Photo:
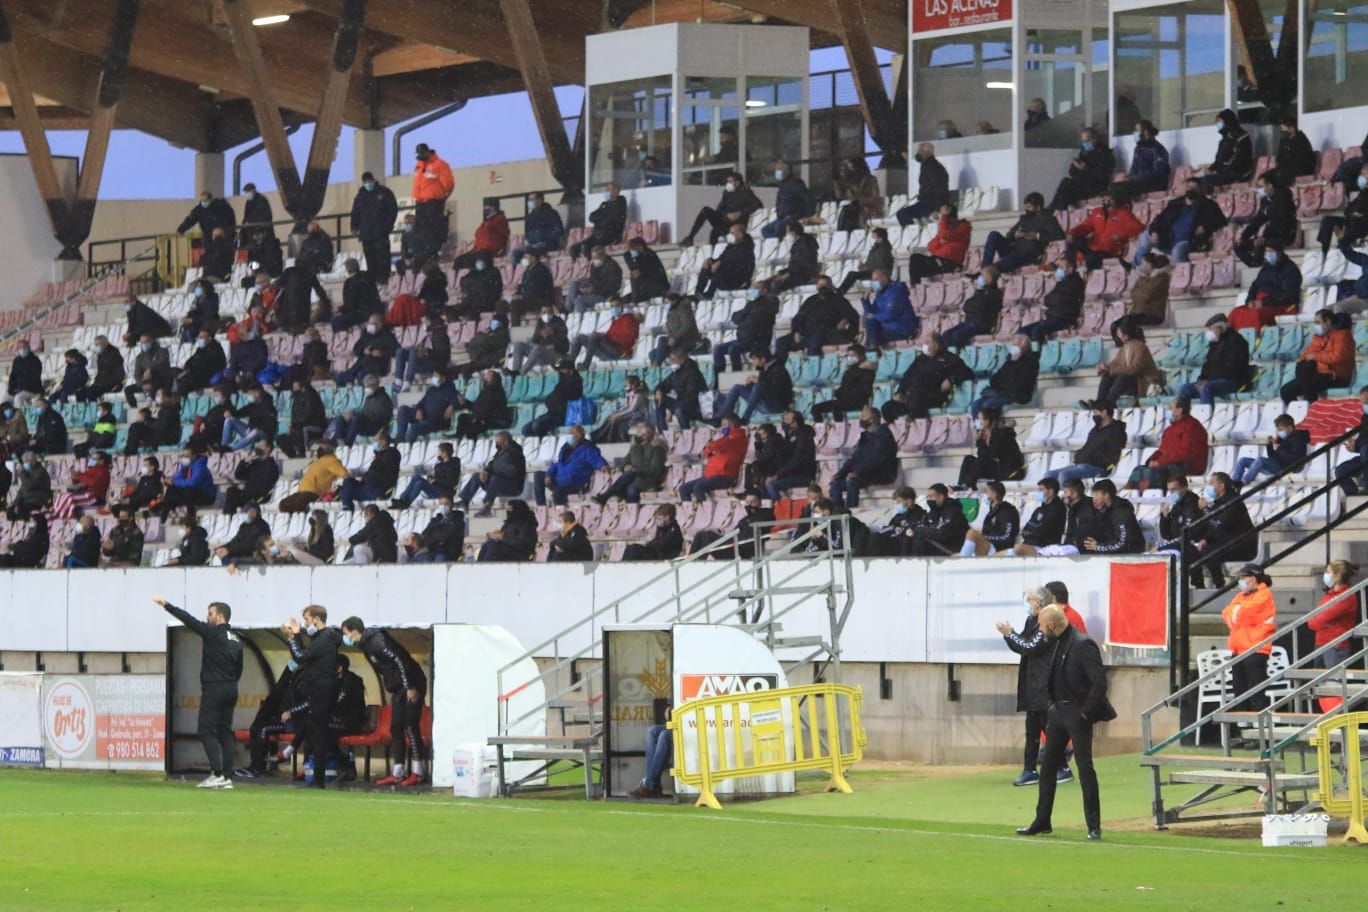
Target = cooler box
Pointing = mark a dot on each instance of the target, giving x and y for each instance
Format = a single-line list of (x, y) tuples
[(1299, 830), (475, 770)]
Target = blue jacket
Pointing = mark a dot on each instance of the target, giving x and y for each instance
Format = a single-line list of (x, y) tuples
[(543, 228), (1149, 162), (576, 465), (436, 401), (73, 378), (197, 476), (892, 307)]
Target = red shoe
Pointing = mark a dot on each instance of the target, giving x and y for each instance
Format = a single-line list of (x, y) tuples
[(412, 780), (388, 780)]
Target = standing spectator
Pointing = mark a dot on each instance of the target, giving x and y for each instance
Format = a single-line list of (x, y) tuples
[(732, 269), (1014, 383), (1251, 617), (1106, 233), (859, 190), (1325, 363), (298, 285), (643, 470), (678, 393), (997, 455), (217, 256), (724, 456), (928, 382), (946, 251), (1226, 368), (856, 387), (615, 343), (1286, 448), (889, 317), (1337, 614), (604, 282), (516, 539), (432, 184), (124, 545), (770, 386), (734, 210), (503, 476), (257, 479), (824, 318), (1275, 291), (1131, 370), (1234, 160), (879, 257), (257, 216), (549, 343), (1101, 450), (192, 485), (1001, 526), (681, 329), (1295, 157), (647, 274), (572, 472), (1089, 174), (569, 387), (1274, 224), (572, 544), (316, 251), (1184, 449), (874, 461), (1025, 242), (933, 186), (373, 213), (982, 311), (608, 221), (109, 371), (488, 411), (26, 375), (792, 203), (666, 543), (1063, 304), (543, 228), (1224, 528), (212, 212), (1187, 224)]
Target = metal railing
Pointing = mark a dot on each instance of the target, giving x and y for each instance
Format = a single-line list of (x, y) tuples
[(146, 255)]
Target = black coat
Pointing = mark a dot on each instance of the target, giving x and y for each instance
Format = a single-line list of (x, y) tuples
[(383, 473), (109, 368), (1033, 674), (1182, 515), (1281, 284), (875, 457), (820, 313), (1046, 525), (1277, 216), (604, 278), (804, 261), (491, 406), (1227, 359), (776, 386), (572, 546), (984, 307), (373, 213), (609, 221), (1099, 163), (568, 388), (1079, 520), (1230, 524), (651, 279), (509, 464), (26, 375), (1064, 302), (380, 534), (754, 322), (480, 290), (1003, 451), (256, 211), (742, 200), (801, 460), (144, 321), (933, 183), (445, 535), (203, 365), (194, 548), (855, 388), (1235, 153), (1077, 676), (1016, 379), (1209, 216), (360, 297), (1103, 446), (85, 547), (734, 268), (792, 201), (307, 409), (258, 477), (1002, 525), (218, 214), (686, 383), (1116, 529), (244, 541), (666, 544), (519, 537), (944, 528), (317, 661)]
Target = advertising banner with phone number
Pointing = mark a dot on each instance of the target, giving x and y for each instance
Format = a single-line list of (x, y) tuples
[(105, 721)]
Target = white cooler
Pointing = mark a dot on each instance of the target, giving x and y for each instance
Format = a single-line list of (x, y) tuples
[(1299, 830), (475, 770)]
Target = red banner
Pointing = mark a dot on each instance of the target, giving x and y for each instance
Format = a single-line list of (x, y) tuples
[(1138, 611), (936, 15)]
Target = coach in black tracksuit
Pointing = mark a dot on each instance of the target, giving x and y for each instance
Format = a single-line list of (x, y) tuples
[(220, 669), (402, 677), (317, 668)]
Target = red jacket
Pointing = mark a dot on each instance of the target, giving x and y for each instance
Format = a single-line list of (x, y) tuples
[(1075, 619), (622, 332), (951, 243), (95, 480), (1108, 232), (1333, 354), (1183, 443), (492, 235), (1332, 622), (725, 455)]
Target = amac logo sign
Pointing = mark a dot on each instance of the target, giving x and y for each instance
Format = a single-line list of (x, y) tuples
[(69, 719), (702, 686)]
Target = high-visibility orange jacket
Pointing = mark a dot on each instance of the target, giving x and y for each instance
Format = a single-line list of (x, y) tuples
[(1251, 616), (432, 180)]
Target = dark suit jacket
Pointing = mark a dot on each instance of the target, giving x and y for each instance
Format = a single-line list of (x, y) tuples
[(1077, 676)]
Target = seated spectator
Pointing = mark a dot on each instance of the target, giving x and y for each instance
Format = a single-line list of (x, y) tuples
[(192, 485), (1225, 529), (1352, 225), (543, 228), (432, 295), (874, 461), (1014, 383), (308, 418), (49, 431), (85, 546), (824, 318), (942, 530), (1180, 511), (35, 487), (1131, 370), (1275, 291), (369, 420), (681, 330), (643, 469), (666, 543), (855, 389), (1352, 296), (491, 237), (742, 542), (123, 546), (732, 270), (1274, 224), (549, 343), (799, 466), (109, 371), (444, 536), (846, 533), (1326, 362), (193, 548), (997, 455), (102, 432), (90, 478), (1149, 301), (946, 251), (1045, 527), (487, 349), (26, 376), (373, 351), (889, 317), (982, 311), (416, 550), (894, 538), (572, 472), (928, 382), (1089, 174), (572, 544), (733, 211), (516, 539), (1149, 168), (535, 288), (31, 551), (317, 248), (1226, 368), (770, 388), (608, 221), (377, 542), (724, 456), (1184, 449), (143, 321), (1350, 474), (1106, 233), (633, 409), (804, 260), (433, 413), (74, 377), (879, 257), (1295, 158), (646, 274), (678, 393), (754, 324), (257, 477), (1115, 529), (151, 371), (381, 477), (256, 420), (615, 343), (481, 288), (1101, 451), (1187, 224), (489, 410), (204, 310), (1234, 162), (1001, 526), (203, 365), (769, 451), (360, 298), (503, 476), (247, 353), (1025, 243), (933, 186), (1286, 448), (443, 481), (569, 387), (320, 544), (858, 189), (792, 203), (147, 489), (14, 428)]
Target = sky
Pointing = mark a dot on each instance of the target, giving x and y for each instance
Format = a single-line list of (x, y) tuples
[(499, 128)]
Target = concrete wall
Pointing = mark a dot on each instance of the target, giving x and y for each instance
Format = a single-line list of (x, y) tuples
[(27, 247)]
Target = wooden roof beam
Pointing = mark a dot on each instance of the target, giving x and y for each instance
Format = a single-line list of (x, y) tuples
[(541, 93)]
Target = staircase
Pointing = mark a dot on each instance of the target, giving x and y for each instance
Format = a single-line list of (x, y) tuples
[(36, 319), (751, 582), (1264, 751)]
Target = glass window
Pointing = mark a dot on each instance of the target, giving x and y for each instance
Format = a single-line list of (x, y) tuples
[(1170, 65), (1336, 55), (629, 133), (963, 86), (774, 125), (709, 117), (1059, 92)]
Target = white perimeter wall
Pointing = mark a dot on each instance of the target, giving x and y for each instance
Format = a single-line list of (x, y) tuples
[(27, 247)]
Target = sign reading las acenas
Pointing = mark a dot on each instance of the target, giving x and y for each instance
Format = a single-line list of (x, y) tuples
[(935, 15)]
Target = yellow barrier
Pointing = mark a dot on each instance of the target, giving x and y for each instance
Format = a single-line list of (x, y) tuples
[(1352, 803), (173, 258), (775, 742)]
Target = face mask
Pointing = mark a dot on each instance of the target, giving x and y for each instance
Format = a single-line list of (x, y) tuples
[(1362, 182), (310, 629), (1211, 336), (608, 197), (479, 265), (200, 343), (274, 551), (595, 264), (852, 359), (493, 324), (731, 239), (369, 185), (900, 509), (375, 447), (148, 470), (978, 424), (434, 381), (199, 291), (1319, 329), (1060, 274), (1365, 408), (1039, 496), (204, 204), (942, 134), (1263, 194), (1136, 136), (878, 285), (1245, 585), (252, 195), (926, 349), (348, 641), (752, 294), (1014, 351), (980, 282), (731, 188), (1192, 196), (1209, 492), (185, 461), (1271, 257), (1172, 498), (144, 346), (31, 526), (24, 352), (1087, 145), (1328, 580), (99, 349)]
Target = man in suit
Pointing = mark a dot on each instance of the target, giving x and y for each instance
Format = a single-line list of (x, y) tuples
[(1078, 701)]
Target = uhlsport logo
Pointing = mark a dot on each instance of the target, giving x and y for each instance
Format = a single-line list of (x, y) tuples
[(69, 719), (702, 686)]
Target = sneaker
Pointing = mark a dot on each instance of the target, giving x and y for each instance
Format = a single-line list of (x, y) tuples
[(224, 783), (411, 780), (210, 781), (1064, 775), (247, 772), (1027, 777), (388, 780), (642, 791)]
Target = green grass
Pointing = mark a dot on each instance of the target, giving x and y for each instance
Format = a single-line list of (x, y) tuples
[(933, 840)]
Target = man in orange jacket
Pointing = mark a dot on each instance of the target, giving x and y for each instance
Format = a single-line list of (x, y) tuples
[(1326, 363), (1250, 617), (432, 184), (1184, 449), (1107, 232), (724, 454)]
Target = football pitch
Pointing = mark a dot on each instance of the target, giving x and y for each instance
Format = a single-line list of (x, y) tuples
[(909, 838)]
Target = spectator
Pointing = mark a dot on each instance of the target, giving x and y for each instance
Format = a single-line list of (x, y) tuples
[(1025, 242), (895, 537), (572, 472), (204, 364), (102, 432), (432, 184), (89, 481), (666, 543), (26, 375), (377, 542), (1352, 296), (678, 393), (443, 481), (217, 256), (859, 190), (192, 485), (1187, 224), (604, 282), (373, 213), (543, 228), (572, 544), (257, 420), (1015, 381), (946, 129), (1089, 174), (360, 297), (1063, 304), (74, 377), (855, 389), (491, 237), (109, 371), (879, 257), (416, 550), (429, 358), (488, 411), (997, 455), (535, 288), (1224, 530), (928, 382), (645, 271), (264, 253), (946, 251), (374, 415), (843, 534), (212, 212), (732, 212), (316, 250), (433, 413), (143, 321), (633, 409), (1226, 368), (1131, 370), (741, 543), (889, 317), (308, 418), (724, 455), (1286, 448), (503, 476), (193, 548), (1275, 291), (569, 387), (824, 318), (124, 545), (516, 540), (1352, 226), (444, 536), (487, 349), (1350, 474), (799, 467), (31, 551), (1115, 529), (318, 479), (147, 488), (933, 186), (257, 477), (1149, 169), (35, 487), (615, 343), (549, 343), (1184, 449), (1234, 160), (754, 324), (247, 352), (1001, 526), (643, 469), (804, 260), (792, 204), (732, 269), (381, 477), (1251, 617), (1046, 525), (1101, 450), (85, 546), (481, 288), (1337, 615), (943, 529), (50, 430), (769, 451), (982, 311), (297, 287), (681, 330), (609, 221), (373, 351), (874, 461), (1149, 301), (14, 427), (1326, 362), (769, 387), (1180, 511), (1106, 233), (1274, 224), (1295, 158), (321, 544)]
